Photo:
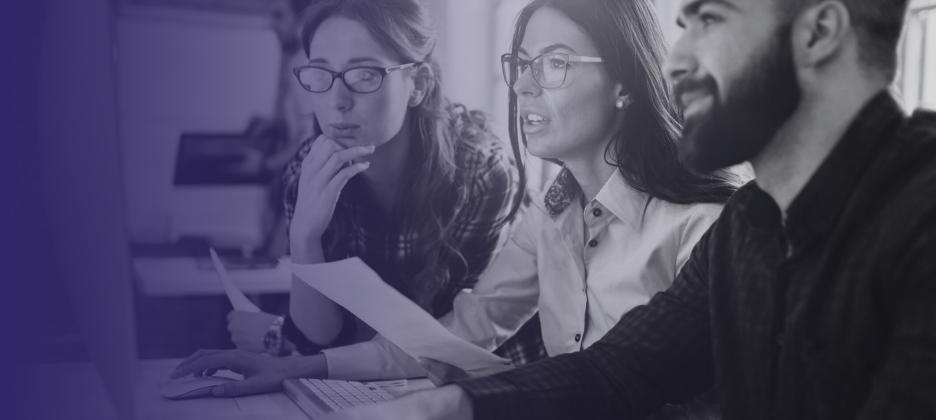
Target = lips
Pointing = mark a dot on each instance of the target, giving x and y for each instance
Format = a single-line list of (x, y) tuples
[(344, 126), (533, 121), (343, 129), (693, 94), (695, 102)]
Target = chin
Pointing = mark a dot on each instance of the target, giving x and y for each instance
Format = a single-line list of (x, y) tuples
[(541, 149)]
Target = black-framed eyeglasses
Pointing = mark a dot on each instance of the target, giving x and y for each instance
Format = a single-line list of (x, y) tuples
[(549, 70), (362, 79)]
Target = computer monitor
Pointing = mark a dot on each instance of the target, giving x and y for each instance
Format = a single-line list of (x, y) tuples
[(81, 163)]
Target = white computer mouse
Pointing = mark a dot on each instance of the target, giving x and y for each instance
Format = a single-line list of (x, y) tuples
[(192, 386)]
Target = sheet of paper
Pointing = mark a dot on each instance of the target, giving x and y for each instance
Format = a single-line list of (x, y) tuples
[(353, 285), (238, 300)]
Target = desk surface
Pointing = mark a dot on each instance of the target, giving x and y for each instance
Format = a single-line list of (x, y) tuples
[(75, 391)]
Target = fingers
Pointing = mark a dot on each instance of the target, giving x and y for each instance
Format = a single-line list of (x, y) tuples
[(204, 360), (441, 373), (322, 148), (188, 361), (326, 158), (338, 160)]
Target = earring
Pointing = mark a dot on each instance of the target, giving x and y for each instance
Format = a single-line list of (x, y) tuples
[(622, 102)]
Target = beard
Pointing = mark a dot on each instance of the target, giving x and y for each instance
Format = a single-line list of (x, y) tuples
[(756, 104)]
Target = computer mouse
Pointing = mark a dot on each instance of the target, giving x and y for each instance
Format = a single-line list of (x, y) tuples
[(192, 386)]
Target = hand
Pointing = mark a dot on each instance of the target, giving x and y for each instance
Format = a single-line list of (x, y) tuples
[(249, 328), (262, 373), (325, 171), (446, 403), (441, 373)]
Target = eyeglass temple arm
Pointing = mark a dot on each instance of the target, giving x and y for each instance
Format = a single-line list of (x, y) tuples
[(400, 67), (585, 59)]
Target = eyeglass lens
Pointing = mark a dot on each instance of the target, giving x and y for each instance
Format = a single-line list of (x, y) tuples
[(549, 70), (360, 80)]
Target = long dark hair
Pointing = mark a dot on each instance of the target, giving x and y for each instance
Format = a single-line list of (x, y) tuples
[(644, 147), (434, 187)]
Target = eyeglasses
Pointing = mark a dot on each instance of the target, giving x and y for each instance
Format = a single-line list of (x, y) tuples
[(549, 69), (364, 79)]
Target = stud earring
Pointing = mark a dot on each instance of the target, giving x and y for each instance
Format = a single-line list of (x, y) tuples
[(622, 102)]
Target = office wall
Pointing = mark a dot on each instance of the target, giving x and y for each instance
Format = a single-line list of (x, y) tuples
[(179, 71)]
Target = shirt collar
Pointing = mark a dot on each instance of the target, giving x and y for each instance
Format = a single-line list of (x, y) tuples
[(817, 207), (625, 202), (561, 193)]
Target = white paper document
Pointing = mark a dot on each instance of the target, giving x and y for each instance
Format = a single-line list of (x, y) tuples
[(238, 300), (353, 285)]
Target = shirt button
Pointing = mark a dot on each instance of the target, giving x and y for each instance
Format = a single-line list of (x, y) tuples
[(596, 212), (578, 337), (593, 243)]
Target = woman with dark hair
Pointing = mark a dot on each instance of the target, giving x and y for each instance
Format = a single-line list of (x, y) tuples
[(417, 187)]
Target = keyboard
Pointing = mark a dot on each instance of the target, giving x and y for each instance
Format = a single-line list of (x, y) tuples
[(344, 394)]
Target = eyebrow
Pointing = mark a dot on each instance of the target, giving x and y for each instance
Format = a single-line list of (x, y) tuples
[(549, 49), (692, 9), (356, 60)]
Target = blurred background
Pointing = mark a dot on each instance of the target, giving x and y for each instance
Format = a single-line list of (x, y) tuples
[(201, 81)]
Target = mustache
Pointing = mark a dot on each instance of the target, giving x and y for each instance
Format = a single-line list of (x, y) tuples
[(706, 83)]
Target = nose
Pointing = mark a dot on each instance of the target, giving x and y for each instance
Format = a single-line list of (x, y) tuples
[(680, 63), (525, 85), (341, 98)]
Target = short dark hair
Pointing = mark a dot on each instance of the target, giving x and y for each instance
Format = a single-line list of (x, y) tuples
[(879, 24)]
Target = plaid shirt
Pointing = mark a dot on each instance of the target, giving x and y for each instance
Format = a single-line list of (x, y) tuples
[(414, 264), (829, 315)]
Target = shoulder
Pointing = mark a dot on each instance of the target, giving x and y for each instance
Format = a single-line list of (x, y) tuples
[(481, 158), (685, 223), (685, 213), (477, 148), (908, 174)]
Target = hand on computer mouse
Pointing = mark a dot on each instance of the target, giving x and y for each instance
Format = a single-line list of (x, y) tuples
[(262, 373)]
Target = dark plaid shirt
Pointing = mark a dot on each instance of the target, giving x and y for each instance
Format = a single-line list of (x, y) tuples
[(398, 250), (830, 315)]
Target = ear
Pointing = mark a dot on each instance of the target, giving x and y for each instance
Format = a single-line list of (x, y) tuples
[(821, 33), (423, 83)]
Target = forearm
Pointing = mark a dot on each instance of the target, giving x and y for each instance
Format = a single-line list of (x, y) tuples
[(318, 318), (306, 251), (377, 359), (313, 366), (574, 385)]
